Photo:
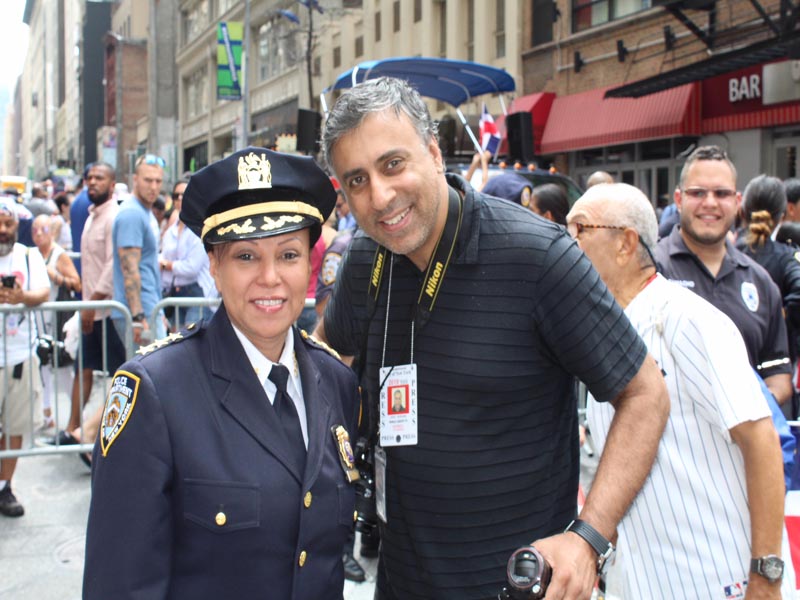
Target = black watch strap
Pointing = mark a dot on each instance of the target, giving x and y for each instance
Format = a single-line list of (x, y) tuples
[(138, 317), (595, 539)]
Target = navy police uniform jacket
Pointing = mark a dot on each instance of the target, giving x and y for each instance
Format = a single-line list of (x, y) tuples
[(193, 492)]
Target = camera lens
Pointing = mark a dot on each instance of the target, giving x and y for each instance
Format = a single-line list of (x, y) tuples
[(528, 575)]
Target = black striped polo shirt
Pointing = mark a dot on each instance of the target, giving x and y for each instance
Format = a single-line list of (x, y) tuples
[(520, 312)]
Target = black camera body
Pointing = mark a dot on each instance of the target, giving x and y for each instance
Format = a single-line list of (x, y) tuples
[(9, 281), (528, 575), (46, 347), (367, 519)]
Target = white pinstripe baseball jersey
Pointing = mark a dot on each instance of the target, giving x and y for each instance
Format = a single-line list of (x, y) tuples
[(687, 534)]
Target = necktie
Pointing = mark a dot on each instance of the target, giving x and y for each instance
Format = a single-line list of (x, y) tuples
[(287, 414)]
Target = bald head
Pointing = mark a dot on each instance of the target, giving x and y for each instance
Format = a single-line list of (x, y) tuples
[(599, 177)]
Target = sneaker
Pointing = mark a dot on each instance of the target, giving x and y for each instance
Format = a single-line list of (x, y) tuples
[(8, 503)]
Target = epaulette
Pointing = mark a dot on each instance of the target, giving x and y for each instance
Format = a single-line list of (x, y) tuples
[(172, 338), (319, 344)]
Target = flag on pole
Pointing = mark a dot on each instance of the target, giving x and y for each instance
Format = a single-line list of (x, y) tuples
[(490, 138)]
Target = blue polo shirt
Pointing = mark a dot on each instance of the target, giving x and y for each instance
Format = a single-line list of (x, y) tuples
[(136, 227)]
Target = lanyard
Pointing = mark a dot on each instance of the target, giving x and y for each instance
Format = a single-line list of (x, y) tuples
[(437, 266)]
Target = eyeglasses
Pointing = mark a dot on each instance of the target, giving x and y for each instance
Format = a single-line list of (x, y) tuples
[(151, 159), (576, 229), (699, 193), (177, 195)]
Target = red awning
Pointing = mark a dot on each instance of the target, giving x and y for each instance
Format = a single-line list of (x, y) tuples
[(587, 120)]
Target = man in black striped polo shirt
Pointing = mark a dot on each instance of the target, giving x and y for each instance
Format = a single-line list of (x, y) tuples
[(483, 313)]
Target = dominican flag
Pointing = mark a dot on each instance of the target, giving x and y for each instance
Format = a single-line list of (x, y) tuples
[(490, 138)]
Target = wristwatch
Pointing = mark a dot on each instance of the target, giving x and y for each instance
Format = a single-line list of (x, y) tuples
[(770, 567), (604, 548), (138, 317)]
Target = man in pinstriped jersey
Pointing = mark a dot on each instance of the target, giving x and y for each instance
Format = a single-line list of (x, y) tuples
[(710, 516)]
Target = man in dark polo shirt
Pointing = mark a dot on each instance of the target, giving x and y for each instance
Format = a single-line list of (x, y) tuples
[(484, 313), (698, 255)]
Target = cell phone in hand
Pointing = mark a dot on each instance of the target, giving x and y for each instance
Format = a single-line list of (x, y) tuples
[(9, 281)]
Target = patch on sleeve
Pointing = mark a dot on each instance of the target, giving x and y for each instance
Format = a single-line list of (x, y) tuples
[(119, 406), (330, 267)]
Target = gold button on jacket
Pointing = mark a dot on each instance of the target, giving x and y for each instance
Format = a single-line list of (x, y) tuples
[(307, 500), (302, 560), (220, 519)]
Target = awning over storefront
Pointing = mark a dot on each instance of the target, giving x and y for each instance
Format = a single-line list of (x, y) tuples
[(587, 120)]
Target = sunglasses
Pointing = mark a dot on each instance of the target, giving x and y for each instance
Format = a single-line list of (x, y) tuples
[(151, 159), (699, 193), (576, 229)]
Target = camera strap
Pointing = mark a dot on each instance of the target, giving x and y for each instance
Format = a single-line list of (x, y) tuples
[(437, 266)]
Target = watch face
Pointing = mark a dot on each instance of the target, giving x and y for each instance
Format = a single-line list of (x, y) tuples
[(772, 568)]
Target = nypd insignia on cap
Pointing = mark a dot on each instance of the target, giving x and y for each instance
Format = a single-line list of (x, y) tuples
[(257, 193)]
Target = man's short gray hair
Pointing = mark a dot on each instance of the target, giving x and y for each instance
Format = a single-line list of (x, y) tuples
[(373, 96), (627, 206)]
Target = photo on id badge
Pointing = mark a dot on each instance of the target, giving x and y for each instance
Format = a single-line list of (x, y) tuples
[(398, 399)]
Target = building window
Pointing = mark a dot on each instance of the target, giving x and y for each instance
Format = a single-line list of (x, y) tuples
[(588, 13), (417, 11), (544, 12), (277, 48), (317, 66), (470, 29), (359, 46), (337, 56), (378, 26), (396, 9), (195, 21), (197, 93), (500, 28)]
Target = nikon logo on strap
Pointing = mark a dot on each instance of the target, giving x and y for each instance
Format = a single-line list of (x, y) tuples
[(376, 271), (433, 280)]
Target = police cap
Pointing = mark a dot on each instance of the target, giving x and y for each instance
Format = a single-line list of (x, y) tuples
[(255, 193)]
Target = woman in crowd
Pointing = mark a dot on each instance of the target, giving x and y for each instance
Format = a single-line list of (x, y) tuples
[(64, 280)]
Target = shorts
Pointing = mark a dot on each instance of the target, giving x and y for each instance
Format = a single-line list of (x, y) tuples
[(15, 409), (93, 347)]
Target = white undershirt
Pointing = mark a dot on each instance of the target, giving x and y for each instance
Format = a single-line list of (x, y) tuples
[(262, 366)]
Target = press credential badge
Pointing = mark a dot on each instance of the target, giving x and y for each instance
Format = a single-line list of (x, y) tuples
[(398, 405)]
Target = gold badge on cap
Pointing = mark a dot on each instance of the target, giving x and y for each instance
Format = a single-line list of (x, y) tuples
[(254, 172), (342, 439)]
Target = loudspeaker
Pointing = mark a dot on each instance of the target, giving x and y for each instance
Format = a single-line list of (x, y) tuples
[(308, 130), (519, 130)]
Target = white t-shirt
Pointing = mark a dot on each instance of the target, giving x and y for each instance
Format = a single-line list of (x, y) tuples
[(687, 533), (20, 328)]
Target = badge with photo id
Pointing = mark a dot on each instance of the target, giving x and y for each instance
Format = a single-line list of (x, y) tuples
[(398, 405)]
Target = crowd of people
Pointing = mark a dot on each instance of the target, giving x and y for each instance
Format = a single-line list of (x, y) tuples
[(466, 323)]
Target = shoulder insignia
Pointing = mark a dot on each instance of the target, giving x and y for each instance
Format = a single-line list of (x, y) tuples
[(165, 341), (119, 407), (797, 256), (318, 344)]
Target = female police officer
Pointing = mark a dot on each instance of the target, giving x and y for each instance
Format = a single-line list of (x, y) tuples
[(215, 477)]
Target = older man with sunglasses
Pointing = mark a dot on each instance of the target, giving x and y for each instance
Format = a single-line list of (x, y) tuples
[(698, 255)]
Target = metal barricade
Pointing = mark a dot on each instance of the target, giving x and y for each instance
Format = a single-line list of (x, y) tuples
[(177, 303), (47, 308)]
